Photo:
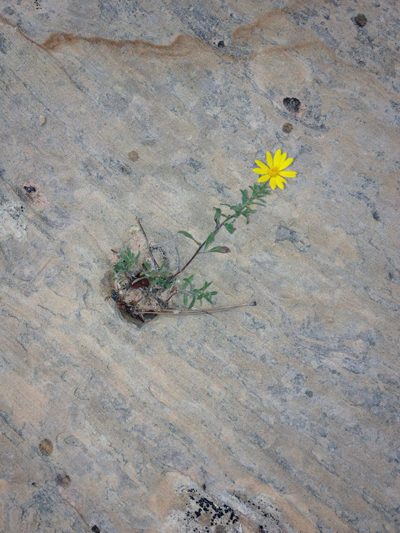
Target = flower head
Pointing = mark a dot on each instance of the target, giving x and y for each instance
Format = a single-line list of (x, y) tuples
[(275, 171)]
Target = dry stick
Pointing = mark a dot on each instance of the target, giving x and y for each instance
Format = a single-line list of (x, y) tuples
[(196, 311), (148, 244), (177, 269)]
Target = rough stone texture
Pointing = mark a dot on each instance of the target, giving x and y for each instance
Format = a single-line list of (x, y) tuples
[(281, 418)]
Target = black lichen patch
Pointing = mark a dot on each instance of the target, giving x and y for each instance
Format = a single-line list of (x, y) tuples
[(221, 44), (95, 529), (30, 189), (212, 513), (360, 20), (63, 480), (292, 104)]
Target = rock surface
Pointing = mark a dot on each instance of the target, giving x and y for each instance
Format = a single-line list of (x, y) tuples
[(281, 418)]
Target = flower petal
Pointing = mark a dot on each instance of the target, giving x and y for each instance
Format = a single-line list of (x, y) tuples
[(272, 183), (263, 167), (269, 159), (286, 164), (261, 179), (288, 173), (277, 157), (283, 157), (280, 182)]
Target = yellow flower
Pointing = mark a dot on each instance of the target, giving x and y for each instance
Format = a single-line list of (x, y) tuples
[(275, 171)]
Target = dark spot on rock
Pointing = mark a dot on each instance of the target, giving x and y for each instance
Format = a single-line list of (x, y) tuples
[(133, 156), (63, 480), (287, 127), (46, 447), (375, 215), (33, 484), (287, 234), (292, 104), (360, 20), (30, 189), (309, 393), (221, 44), (204, 486), (95, 529)]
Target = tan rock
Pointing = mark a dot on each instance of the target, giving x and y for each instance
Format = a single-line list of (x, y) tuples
[(287, 412)]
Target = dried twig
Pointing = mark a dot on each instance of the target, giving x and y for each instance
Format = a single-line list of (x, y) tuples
[(148, 245), (173, 283), (183, 311)]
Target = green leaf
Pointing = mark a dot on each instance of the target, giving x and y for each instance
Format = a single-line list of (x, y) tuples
[(209, 240), (220, 249), (192, 302), (146, 264), (185, 299), (187, 281), (186, 234), (230, 227), (217, 215)]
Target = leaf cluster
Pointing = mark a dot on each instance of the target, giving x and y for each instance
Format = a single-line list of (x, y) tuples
[(157, 277), (258, 192), (128, 262), (196, 294)]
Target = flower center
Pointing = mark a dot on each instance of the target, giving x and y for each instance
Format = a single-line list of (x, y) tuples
[(273, 172)]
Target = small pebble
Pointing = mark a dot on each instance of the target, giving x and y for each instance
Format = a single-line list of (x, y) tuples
[(46, 447), (287, 127), (133, 156), (42, 120), (133, 230), (360, 20)]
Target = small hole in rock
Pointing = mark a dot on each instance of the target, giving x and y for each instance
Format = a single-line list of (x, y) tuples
[(63, 480), (30, 189), (221, 44), (95, 529), (292, 104), (360, 20)]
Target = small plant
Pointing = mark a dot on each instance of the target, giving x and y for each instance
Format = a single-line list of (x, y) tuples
[(157, 285), (127, 264)]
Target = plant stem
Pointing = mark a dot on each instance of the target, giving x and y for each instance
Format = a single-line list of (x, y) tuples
[(218, 227)]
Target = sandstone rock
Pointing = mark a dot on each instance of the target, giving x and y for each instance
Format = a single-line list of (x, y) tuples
[(287, 412)]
